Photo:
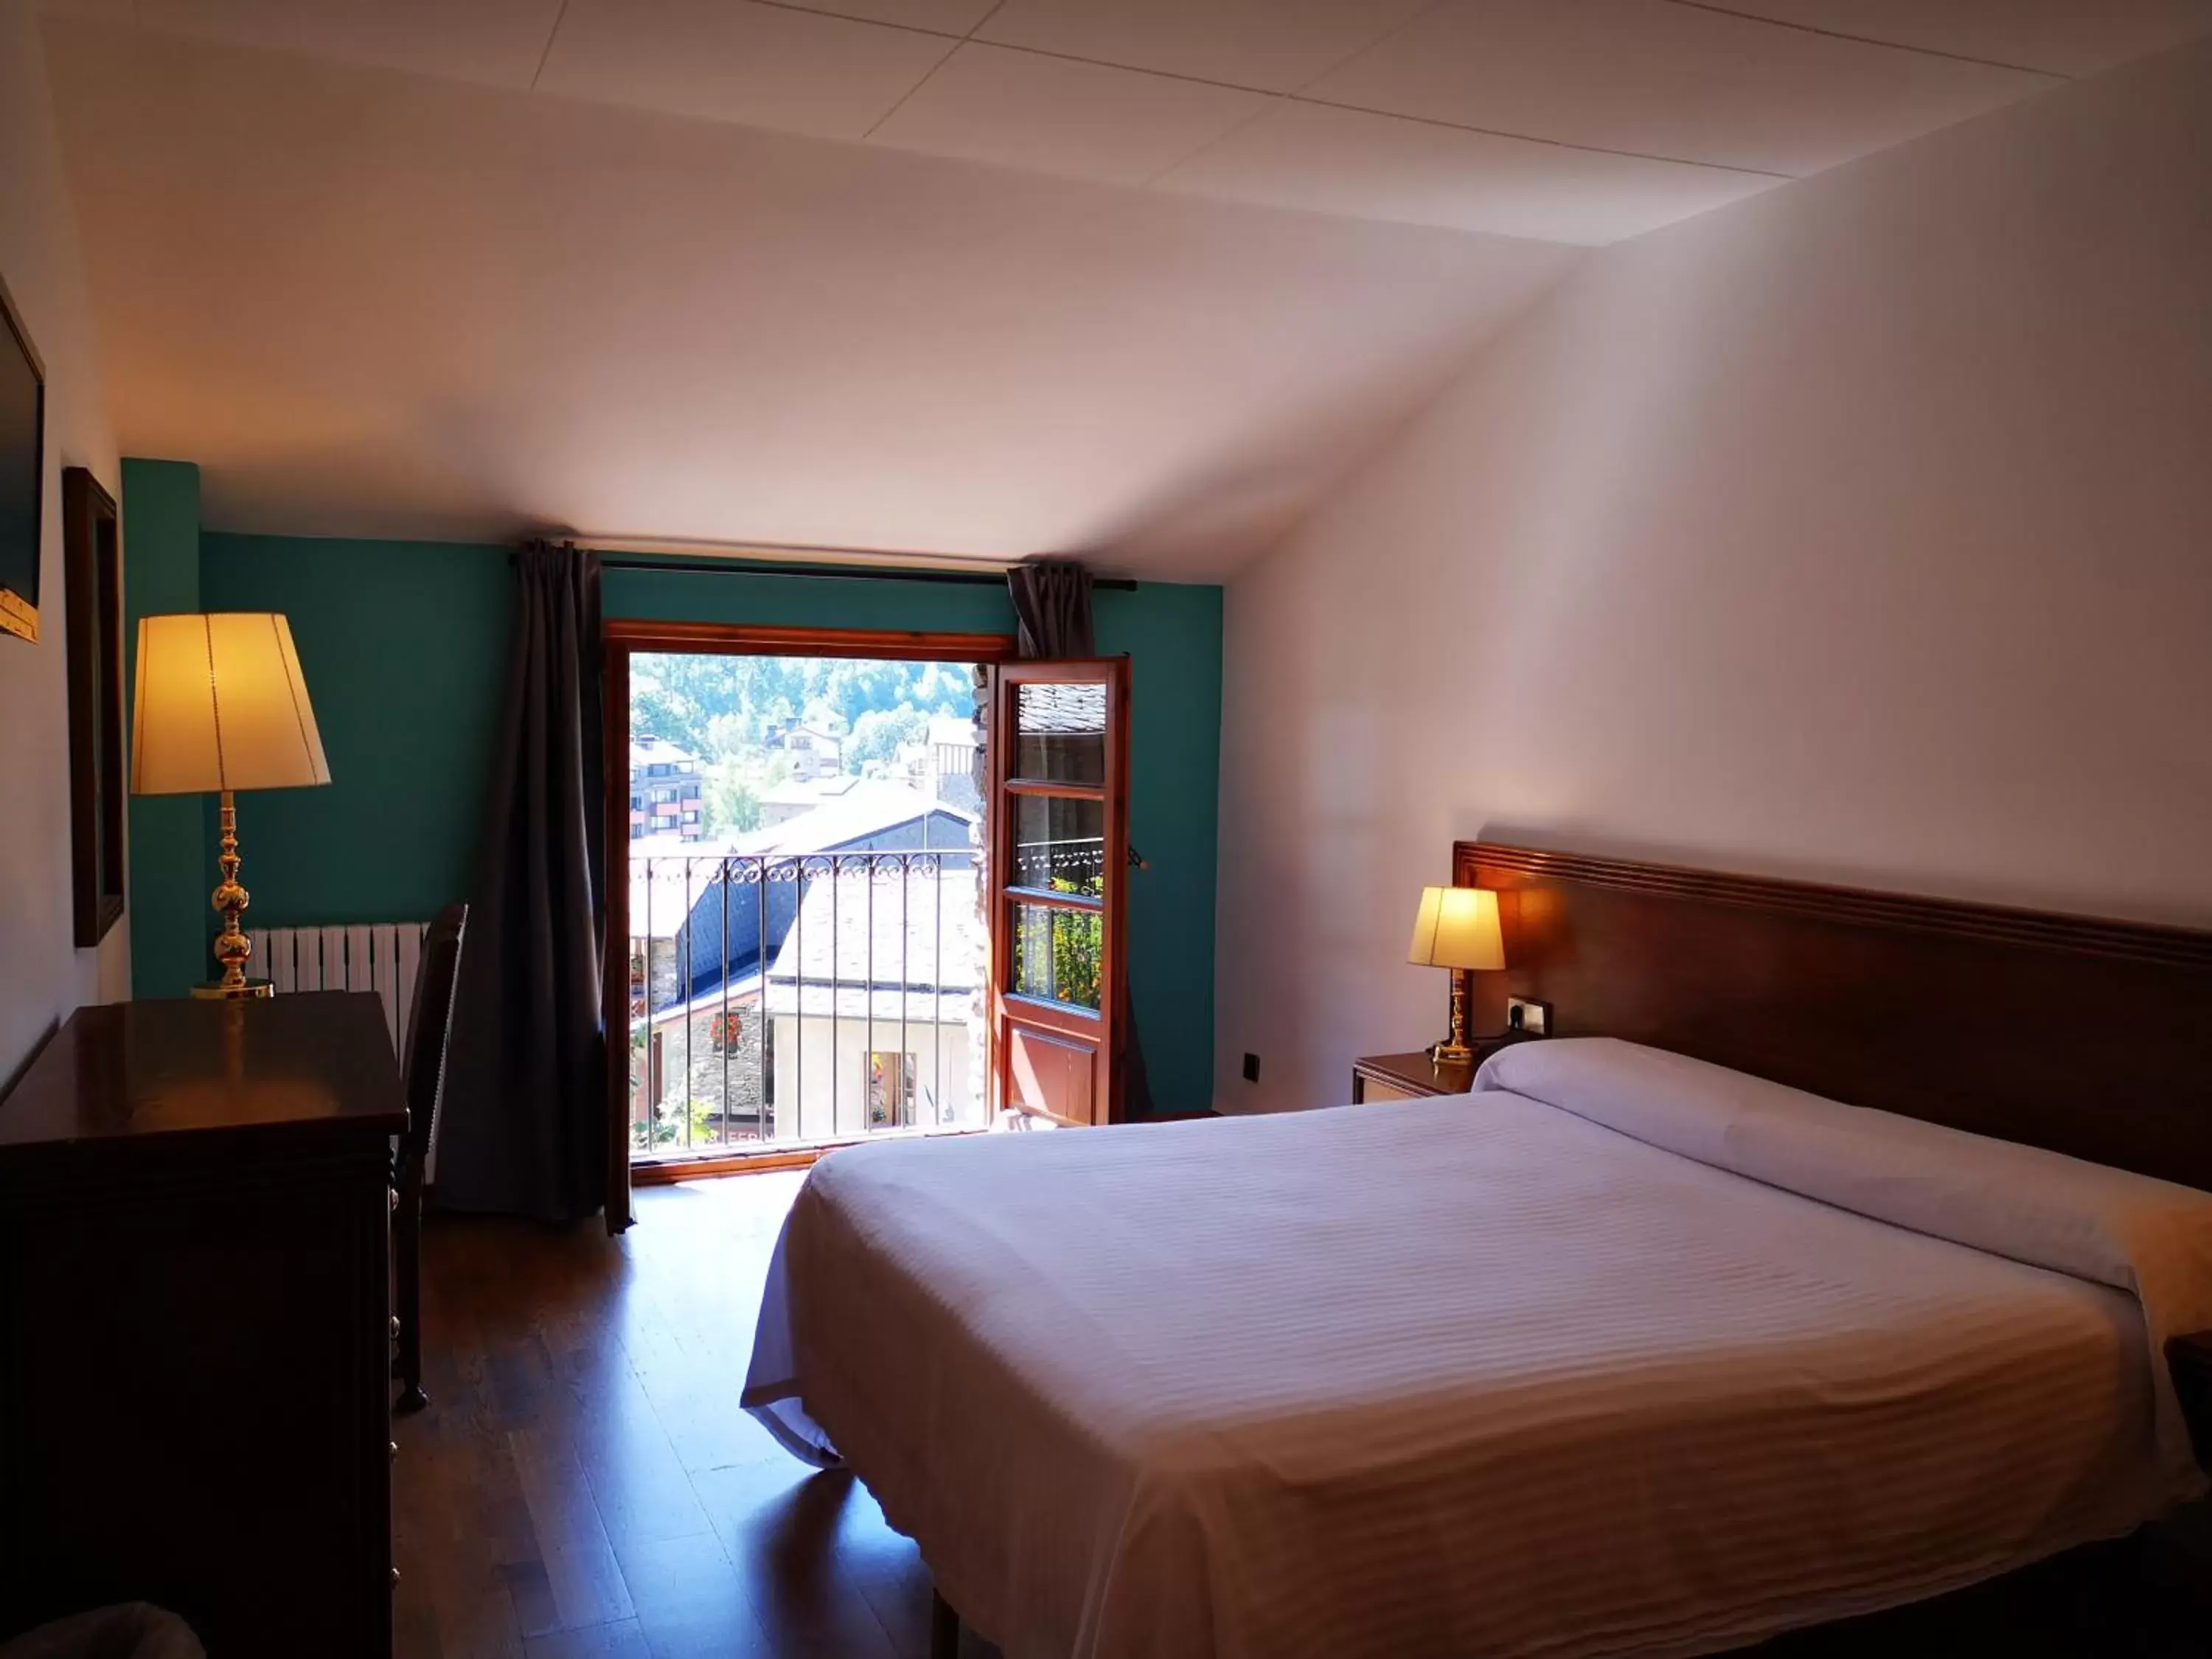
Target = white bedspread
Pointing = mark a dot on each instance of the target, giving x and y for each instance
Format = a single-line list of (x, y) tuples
[(1481, 1375)]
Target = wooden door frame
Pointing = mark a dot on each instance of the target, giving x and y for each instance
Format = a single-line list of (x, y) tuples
[(620, 638), (759, 640)]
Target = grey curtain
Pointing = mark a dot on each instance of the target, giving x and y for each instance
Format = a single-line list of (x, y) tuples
[(1052, 612), (525, 1129), (1051, 607)]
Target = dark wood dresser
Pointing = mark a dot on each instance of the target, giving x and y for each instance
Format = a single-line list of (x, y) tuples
[(194, 1344)]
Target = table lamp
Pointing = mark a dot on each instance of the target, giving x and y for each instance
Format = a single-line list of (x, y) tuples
[(220, 705), (1457, 929)]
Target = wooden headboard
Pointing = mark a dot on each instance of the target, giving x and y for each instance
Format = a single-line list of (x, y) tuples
[(2087, 1036)]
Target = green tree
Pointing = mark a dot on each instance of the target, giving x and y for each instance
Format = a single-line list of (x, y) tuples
[(733, 805), (878, 735), (719, 707), (1077, 943)]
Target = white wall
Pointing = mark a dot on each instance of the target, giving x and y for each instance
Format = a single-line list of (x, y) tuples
[(834, 1100), (1861, 531), (42, 975)]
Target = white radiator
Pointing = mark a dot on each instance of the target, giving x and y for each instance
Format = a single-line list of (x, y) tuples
[(380, 957)]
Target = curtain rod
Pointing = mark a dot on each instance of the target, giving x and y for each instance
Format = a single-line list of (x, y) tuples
[(851, 572)]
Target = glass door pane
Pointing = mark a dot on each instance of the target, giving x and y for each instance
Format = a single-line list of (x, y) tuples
[(1059, 732), (1058, 955), (1059, 845)]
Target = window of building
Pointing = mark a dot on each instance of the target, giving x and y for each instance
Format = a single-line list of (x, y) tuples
[(890, 1090)]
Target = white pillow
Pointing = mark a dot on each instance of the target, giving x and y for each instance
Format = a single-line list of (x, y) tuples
[(2150, 1238)]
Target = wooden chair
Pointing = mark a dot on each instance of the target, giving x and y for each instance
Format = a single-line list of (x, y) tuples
[(423, 1078)]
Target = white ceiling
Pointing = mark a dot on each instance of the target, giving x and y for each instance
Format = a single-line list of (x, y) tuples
[(727, 270), (1570, 120), (387, 305)]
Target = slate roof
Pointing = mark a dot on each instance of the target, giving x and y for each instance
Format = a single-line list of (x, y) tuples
[(870, 808), (927, 957)]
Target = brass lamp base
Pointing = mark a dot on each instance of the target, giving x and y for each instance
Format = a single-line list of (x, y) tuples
[(232, 947), (216, 991), (1453, 1048)]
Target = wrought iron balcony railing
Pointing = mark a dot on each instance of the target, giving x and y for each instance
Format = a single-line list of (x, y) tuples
[(792, 998)]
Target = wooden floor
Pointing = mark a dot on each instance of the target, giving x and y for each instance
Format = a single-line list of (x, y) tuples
[(584, 1485)]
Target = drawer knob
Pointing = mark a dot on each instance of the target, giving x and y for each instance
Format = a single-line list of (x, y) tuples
[(395, 1328), (391, 1200), (395, 1577), (394, 1444)]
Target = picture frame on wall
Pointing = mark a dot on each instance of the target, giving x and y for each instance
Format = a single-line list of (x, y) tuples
[(92, 593), (22, 471)]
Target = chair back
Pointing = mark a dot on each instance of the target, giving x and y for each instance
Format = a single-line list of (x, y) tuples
[(424, 1074)]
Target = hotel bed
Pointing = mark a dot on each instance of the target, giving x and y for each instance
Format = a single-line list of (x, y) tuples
[(1626, 1352)]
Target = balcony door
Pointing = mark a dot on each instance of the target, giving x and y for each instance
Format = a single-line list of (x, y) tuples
[(797, 892), (1059, 825)]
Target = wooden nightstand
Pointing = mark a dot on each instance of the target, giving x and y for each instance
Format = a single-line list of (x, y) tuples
[(1406, 1077), (1414, 1076)]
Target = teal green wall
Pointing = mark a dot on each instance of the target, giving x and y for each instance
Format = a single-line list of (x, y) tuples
[(172, 872), (404, 646), (1172, 632)]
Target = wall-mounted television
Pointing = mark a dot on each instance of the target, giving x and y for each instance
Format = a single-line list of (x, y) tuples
[(22, 471)]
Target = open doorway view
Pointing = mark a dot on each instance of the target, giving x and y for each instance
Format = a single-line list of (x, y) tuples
[(806, 952)]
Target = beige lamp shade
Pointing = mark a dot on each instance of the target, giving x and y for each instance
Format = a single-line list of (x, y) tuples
[(1457, 927), (220, 704)]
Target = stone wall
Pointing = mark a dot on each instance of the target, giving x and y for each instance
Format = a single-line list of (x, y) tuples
[(726, 1089), (728, 1083)]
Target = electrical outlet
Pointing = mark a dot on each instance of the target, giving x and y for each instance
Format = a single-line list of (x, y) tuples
[(1251, 1068), (1526, 1014)]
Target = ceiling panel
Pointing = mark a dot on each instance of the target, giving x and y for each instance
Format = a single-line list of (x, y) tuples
[(1666, 80), (729, 60), (1052, 115), (2066, 37), (1629, 94), (939, 16), (1333, 161), (1276, 45), (494, 41)]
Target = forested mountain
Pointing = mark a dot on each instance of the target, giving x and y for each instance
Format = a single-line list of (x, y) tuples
[(722, 708)]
